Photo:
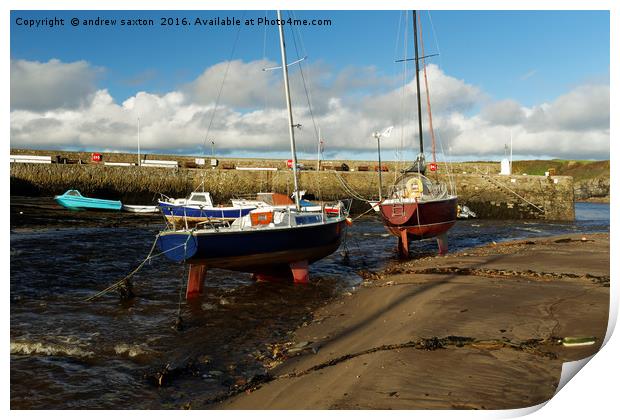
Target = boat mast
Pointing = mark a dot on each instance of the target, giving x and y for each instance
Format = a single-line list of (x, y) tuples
[(417, 81), (428, 94), (291, 128)]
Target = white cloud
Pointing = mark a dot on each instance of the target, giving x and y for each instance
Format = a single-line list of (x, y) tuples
[(448, 94), (37, 86), (506, 112), (582, 109), (247, 84), (348, 106)]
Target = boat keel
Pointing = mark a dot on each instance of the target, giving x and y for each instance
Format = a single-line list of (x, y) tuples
[(195, 280), (296, 271), (442, 244), (403, 244), (300, 272)]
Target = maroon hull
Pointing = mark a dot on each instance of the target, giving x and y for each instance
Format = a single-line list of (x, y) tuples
[(420, 220)]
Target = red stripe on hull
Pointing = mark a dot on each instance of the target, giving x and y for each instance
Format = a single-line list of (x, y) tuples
[(421, 220)]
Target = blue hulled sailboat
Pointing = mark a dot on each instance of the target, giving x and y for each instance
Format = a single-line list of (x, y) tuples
[(267, 241)]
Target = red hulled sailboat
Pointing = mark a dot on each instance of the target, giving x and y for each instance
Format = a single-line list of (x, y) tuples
[(419, 207)]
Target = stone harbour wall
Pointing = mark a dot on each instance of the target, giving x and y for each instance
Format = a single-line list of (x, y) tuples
[(489, 195), (518, 196)]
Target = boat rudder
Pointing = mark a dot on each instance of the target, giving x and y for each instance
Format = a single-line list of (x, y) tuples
[(300, 272), (195, 280)]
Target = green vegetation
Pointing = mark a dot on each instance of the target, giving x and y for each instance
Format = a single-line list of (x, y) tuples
[(578, 169)]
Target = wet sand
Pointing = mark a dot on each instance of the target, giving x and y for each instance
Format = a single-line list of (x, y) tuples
[(479, 329)]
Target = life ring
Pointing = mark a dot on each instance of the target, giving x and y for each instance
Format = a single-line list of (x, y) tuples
[(414, 188)]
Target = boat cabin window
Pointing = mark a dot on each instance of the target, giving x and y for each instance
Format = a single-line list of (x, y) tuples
[(200, 197), (308, 219), (73, 193)]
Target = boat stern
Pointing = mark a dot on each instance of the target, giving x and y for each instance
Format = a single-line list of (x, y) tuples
[(177, 246)]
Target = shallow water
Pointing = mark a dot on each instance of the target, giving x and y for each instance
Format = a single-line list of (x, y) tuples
[(67, 353)]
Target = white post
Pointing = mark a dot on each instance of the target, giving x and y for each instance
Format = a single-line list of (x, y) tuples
[(318, 152), (139, 160), (510, 152), (377, 135)]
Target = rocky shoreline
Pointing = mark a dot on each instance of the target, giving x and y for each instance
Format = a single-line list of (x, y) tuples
[(595, 190), (605, 200)]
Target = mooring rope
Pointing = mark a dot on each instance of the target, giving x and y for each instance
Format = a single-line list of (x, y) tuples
[(128, 276), (178, 324), (483, 175), (372, 208), (149, 257)]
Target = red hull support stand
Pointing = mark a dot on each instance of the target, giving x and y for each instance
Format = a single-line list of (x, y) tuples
[(300, 272), (195, 280), (442, 244), (403, 244)]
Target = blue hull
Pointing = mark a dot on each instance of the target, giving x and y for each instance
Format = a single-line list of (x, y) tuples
[(231, 213), (84, 203), (253, 250)]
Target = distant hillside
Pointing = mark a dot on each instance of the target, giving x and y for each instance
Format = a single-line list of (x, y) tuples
[(578, 169), (591, 177)]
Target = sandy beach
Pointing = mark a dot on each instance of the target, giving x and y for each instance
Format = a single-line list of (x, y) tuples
[(480, 329)]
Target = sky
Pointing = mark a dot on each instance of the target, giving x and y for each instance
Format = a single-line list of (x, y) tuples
[(538, 77)]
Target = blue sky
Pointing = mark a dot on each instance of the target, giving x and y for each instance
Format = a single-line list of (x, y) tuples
[(526, 57), (492, 49)]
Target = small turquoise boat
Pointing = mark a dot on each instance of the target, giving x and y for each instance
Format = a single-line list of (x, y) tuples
[(72, 199)]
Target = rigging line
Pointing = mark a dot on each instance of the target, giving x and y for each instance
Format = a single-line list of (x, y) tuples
[(428, 95), (219, 93), (301, 72), (265, 59), (400, 19), (396, 44), (435, 37), (451, 180), (402, 100), (348, 189)]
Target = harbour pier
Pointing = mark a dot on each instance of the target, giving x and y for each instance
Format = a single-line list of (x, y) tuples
[(489, 195)]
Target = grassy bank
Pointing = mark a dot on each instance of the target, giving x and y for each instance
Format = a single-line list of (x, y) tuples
[(578, 169)]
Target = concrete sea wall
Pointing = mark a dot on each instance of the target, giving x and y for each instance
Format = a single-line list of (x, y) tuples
[(518, 196), (490, 196)]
